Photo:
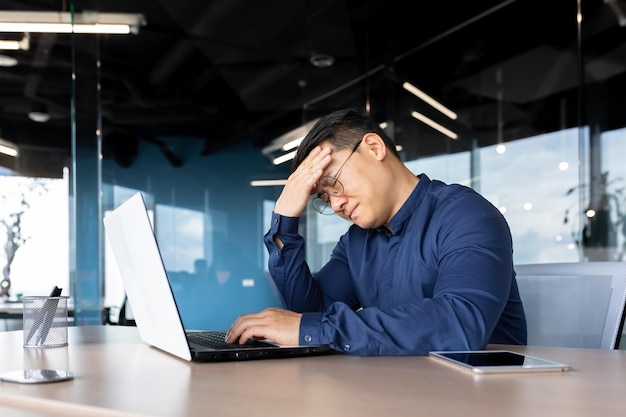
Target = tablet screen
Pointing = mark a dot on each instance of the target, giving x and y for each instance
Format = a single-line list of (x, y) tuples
[(485, 361)]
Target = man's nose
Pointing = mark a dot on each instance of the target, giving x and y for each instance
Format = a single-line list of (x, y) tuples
[(337, 203)]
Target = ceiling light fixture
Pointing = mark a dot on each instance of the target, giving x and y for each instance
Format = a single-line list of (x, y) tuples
[(38, 117), (39, 113), (7, 61), (293, 144), (322, 60), (284, 158), (9, 45), (434, 125), (428, 99), (61, 22), (267, 183), (15, 45), (287, 142), (9, 148)]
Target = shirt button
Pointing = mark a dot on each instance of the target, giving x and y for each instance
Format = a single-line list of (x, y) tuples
[(275, 221), (346, 348), (277, 253), (308, 338)]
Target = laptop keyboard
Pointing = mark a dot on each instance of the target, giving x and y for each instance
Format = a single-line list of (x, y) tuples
[(215, 340)]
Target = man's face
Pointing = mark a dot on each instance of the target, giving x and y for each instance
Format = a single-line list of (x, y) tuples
[(356, 173)]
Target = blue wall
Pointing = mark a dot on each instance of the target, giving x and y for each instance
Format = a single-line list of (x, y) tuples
[(217, 185)]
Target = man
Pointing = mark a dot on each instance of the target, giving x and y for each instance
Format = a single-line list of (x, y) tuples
[(425, 266)]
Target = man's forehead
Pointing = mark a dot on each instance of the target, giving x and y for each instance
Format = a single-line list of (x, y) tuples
[(336, 159)]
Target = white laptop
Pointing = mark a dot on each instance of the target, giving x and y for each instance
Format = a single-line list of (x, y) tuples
[(150, 295)]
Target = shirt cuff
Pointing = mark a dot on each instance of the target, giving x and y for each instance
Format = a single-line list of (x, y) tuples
[(311, 329), (284, 224)]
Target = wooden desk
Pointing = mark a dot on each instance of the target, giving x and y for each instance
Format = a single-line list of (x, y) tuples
[(117, 375)]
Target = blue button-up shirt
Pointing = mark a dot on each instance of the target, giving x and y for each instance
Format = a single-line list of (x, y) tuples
[(442, 280)]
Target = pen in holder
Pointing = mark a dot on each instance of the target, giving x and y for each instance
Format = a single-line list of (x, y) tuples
[(45, 321)]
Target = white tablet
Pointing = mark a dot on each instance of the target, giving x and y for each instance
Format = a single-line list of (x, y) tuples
[(497, 361)]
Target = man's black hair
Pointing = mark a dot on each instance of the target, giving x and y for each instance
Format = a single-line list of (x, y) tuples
[(342, 129)]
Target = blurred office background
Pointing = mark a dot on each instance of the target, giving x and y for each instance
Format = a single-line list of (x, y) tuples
[(193, 105)]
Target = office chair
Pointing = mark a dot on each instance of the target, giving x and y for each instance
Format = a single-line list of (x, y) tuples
[(579, 304), (120, 316)]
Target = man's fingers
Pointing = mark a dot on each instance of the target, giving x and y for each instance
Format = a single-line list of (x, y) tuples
[(248, 326), (240, 328)]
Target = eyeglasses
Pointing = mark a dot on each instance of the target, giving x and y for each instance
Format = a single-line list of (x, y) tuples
[(330, 186)]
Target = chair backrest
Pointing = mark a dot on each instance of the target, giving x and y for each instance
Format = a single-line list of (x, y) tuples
[(578, 304)]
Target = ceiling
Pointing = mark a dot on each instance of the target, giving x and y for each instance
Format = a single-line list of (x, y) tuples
[(239, 70)]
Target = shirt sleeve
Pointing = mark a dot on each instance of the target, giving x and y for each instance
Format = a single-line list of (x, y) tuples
[(291, 274), (288, 267)]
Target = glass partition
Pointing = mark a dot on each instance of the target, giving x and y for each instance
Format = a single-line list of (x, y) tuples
[(554, 105), (540, 134)]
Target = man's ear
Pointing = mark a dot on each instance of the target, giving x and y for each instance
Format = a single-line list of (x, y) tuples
[(376, 145)]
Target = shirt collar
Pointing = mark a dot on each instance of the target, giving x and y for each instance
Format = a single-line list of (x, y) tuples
[(400, 219)]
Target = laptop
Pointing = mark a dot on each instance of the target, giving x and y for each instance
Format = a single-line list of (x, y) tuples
[(157, 317)]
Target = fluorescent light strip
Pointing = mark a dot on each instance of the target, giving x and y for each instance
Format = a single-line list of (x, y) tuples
[(103, 28), (8, 151), (65, 22), (64, 28), (428, 99), (7, 61), (10, 45), (8, 148), (14, 45), (267, 183), (293, 144), (434, 125), (284, 158)]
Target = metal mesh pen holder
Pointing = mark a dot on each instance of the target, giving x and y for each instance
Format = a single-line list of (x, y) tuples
[(45, 321)]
